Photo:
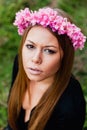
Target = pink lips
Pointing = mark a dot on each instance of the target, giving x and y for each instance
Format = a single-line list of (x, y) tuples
[(35, 71)]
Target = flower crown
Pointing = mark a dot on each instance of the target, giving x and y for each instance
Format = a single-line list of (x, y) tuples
[(49, 17)]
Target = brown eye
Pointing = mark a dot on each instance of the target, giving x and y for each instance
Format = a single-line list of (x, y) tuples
[(49, 51), (29, 46)]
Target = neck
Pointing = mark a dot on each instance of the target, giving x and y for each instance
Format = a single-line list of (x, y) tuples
[(36, 91), (41, 85)]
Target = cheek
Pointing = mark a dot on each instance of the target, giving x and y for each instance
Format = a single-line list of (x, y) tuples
[(53, 66)]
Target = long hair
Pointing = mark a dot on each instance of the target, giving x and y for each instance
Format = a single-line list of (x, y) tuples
[(48, 101)]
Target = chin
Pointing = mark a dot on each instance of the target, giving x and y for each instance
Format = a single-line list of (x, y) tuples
[(35, 78)]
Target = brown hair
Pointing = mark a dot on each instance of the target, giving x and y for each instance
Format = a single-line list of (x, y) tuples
[(48, 101)]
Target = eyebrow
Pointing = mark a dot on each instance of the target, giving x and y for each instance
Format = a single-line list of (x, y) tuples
[(31, 41), (44, 46)]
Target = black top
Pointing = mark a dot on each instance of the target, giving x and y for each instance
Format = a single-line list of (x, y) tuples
[(69, 112)]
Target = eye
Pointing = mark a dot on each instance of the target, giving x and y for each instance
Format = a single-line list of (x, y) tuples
[(29, 46), (49, 51)]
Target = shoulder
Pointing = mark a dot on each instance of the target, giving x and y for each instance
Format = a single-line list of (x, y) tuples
[(70, 109), (73, 96), (74, 88)]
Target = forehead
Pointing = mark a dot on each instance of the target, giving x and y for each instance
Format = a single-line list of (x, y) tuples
[(39, 34)]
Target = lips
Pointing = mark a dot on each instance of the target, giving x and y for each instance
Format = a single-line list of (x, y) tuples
[(35, 71)]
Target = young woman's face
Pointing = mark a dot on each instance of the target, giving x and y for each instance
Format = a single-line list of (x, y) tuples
[(41, 54)]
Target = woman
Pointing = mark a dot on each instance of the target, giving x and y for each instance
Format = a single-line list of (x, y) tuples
[(45, 95)]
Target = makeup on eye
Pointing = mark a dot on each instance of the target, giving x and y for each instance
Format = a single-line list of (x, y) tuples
[(30, 46), (45, 50), (49, 51)]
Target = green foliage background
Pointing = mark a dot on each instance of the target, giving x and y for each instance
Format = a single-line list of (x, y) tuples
[(9, 42)]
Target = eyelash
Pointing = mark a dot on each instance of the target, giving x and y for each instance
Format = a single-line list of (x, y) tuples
[(29, 46), (48, 51)]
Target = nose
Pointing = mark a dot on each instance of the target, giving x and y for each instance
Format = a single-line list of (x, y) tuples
[(37, 57)]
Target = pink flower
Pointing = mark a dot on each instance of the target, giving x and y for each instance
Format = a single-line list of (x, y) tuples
[(48, 17)]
